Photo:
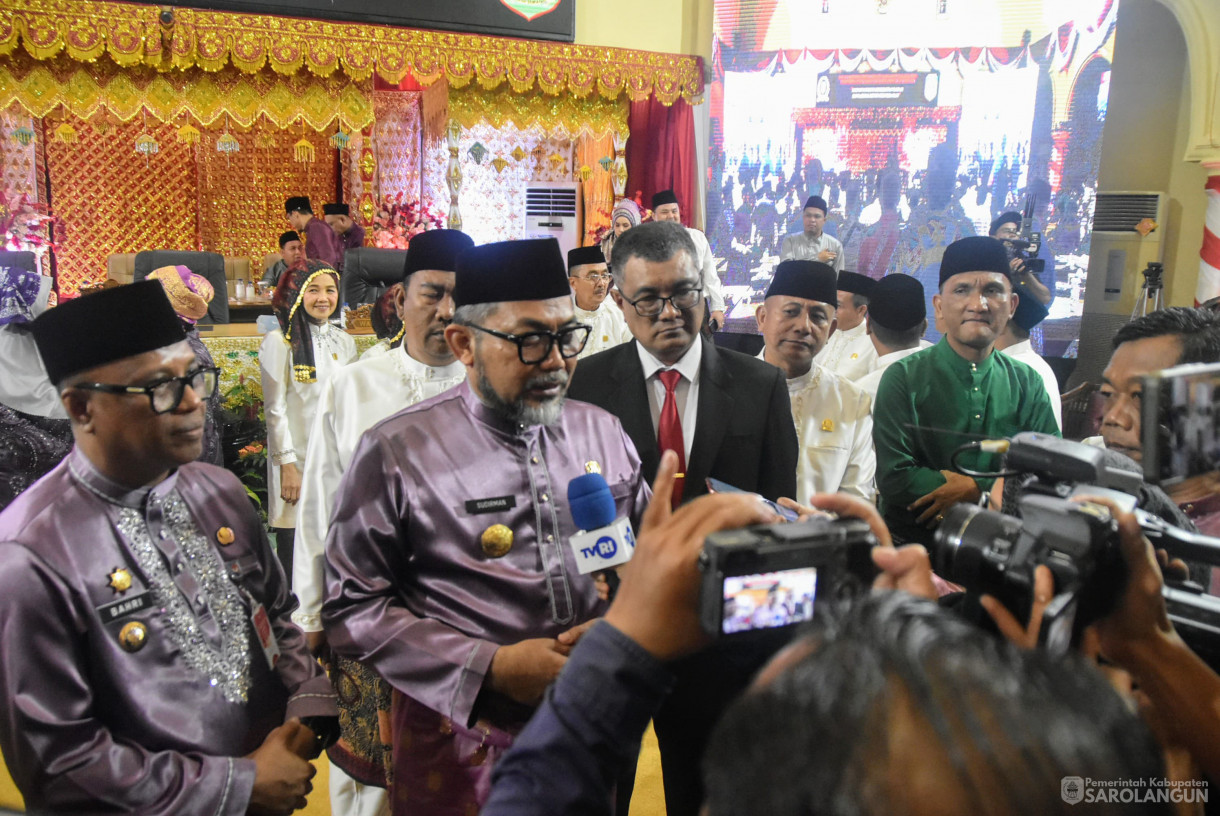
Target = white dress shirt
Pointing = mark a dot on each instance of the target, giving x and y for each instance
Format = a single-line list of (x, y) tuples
[(353, 400), (800, 247), (686, 392), (834, 432), (849, 353), (1024, 351), (609, 327), (707, 270), (869, 382)]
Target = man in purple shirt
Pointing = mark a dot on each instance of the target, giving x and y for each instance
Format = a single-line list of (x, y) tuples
[(448, 567), (150, 663), (321, 243), (349, 233)]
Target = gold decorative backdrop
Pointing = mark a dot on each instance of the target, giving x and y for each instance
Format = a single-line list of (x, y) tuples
[(241, 196), (112, 199), (556, 115), (131, 34), (126, 92)]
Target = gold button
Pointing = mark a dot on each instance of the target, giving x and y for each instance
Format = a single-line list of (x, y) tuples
[(133, 636), (497, 540), (225, 536)]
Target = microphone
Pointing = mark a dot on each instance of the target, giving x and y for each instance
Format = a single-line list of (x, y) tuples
[(603, 540)]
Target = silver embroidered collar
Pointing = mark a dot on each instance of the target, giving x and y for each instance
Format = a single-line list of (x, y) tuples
[(226, 668)]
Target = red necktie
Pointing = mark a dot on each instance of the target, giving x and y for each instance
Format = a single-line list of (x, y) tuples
[(669, 430)]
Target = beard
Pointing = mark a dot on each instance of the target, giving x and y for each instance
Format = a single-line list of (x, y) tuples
[(520, 411)]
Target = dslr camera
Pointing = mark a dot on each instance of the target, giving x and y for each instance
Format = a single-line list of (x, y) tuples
[(1028, 243), (994, 553), (772, 576)]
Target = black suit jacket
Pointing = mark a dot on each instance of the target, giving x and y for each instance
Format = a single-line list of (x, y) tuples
[(744, 434)]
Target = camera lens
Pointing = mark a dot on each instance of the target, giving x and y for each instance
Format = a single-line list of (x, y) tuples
[(973, 545)]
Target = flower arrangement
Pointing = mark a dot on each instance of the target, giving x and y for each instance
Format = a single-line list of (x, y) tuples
[(246, 398), (27, 226), (397, 222)]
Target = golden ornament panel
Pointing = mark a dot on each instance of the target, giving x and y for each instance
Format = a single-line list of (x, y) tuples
[(131, 34)]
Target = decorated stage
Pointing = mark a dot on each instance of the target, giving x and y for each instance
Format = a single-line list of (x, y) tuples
[(187, 130)]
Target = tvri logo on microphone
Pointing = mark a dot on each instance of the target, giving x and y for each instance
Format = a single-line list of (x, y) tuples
[(1076, 789), (604, 547)]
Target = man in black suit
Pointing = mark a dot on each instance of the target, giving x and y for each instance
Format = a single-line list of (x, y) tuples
[(735, 425), (739, 428)]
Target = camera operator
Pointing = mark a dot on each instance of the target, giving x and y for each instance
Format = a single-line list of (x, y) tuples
[(1007, 228), (895, 706), (1151, 343)]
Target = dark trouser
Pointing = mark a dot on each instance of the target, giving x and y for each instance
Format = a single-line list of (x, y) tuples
[(706, 684), (284, 537)]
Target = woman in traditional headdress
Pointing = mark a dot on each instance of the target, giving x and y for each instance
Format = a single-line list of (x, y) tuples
[(190, 295), (34, 430), (295, 360), (626, 215)]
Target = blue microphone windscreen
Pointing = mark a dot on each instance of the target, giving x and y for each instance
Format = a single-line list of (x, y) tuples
[(590, 501)]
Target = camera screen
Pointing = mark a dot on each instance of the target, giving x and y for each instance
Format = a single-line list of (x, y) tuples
[(768, 600), (1182, 432)]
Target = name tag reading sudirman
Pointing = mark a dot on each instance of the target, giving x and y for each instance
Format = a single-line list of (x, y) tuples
[(494, 504), (124, 607)]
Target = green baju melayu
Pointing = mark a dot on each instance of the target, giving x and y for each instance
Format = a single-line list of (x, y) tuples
[(932, 402)]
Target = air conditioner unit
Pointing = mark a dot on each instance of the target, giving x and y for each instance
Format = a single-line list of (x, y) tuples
[(1119, 252), (555, 210)]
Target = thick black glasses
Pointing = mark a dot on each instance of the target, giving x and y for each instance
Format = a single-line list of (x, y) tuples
[(534, 347), (165, 395), (652, 305)]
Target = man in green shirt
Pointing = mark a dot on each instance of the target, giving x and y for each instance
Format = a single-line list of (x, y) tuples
[(960, 390)]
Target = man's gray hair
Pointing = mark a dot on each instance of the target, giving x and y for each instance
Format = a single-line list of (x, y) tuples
[(474, 313), (656, 242)]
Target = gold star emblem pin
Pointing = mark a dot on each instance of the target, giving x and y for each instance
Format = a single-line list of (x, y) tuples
[(497, 540), (120, 580), (592, 467), (828, 425), (225, 536)]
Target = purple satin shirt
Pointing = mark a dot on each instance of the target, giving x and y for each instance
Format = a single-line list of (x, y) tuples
[(353, 238), (322, 244), (91, 726), (409, 589)]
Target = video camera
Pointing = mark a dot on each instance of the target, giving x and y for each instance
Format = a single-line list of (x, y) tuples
[(993, 553), (771, 576), (1028, 243)]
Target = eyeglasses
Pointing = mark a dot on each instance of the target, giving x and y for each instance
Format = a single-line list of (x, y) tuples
[(596, 277), (534, 347), (165, 395), (652, 306)]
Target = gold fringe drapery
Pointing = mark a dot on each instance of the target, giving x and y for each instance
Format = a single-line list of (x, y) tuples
[(564, 116), (85, 88), (131, 34)]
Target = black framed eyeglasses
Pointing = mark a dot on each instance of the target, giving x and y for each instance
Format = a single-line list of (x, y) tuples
[(652, 305), (165, 395), (534, 347)]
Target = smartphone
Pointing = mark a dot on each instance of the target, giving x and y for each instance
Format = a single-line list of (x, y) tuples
[(717, 486)]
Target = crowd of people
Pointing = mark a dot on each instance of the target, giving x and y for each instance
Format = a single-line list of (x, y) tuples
[(162, 659)]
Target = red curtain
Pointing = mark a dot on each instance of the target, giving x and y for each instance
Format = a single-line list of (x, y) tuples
[(661, 152)]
